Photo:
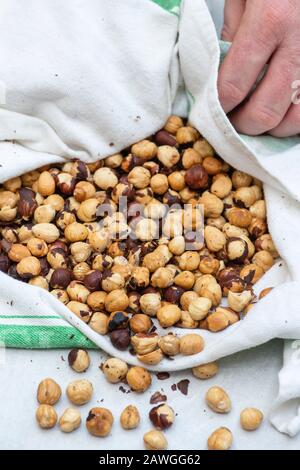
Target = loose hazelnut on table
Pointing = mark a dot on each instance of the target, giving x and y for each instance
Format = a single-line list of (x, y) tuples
[(79, 392), (70, 420), (79, 360), (138, 379), (191, 344), (48, 392), (206, 371), (46, 416), (130, 417), (220, 439), (155, 440), (251, 419), (218, 400), (162, 416), (99, 422), (169, 344), (115, 370)]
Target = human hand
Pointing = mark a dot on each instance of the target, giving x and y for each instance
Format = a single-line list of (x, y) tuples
[(262, 32)]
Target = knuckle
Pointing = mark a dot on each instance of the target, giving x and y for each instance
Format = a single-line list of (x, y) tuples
[(266, 118), (230, 92)]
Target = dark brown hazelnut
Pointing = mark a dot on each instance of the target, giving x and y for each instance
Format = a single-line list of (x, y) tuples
[(117, 320), (120, 339), (172, 294), (27, 203), (45, 267), (92, 280), (196, 177), (164, 138), (59, 244), (171, 197), (162, 416), (12, 272), (257, 228), (60, 278), (237, 250), (65, 183), (230, 279), (4, 263), (80, 170)]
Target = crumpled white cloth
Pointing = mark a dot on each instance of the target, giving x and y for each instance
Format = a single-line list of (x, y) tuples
[(85, 79)]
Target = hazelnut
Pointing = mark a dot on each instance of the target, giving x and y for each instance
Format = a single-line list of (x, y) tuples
[(87, 211), (251, 273), (65, 218), (116, 300), (218, 400), (209, 265), (76, 232), (61, 295), (189, 261), (173, 124), (79, 360), (241, 179), (203, 148), (48, 392), (169, 344), (186, 298), (70, 420), (191, 344), (92, 280), (47, 232), (190, 157), (150, 303), (251, 419), (258, 209), (79, 392), (44, 214), (65, 183), (265, 292), (138, 379), (145, 149), (213, 206), (187, 135), (13, 184), (168, 155), (102, 262), (215, 239), (84, 190), (162, 416), (155, 440), (115, 370), (221, 319), (77, 291), (186, 321), (130, 417), (168, 315), (81, 310), (99, 421), (206, 371), (157, 258), (196, 177), (209, 289), (220, 439), (140, 323), (120, 339), (239, 217), (29, 267), (199, 308), (46, 416), (144, 343), (221, 186), (39, 281), (105, 178), (185, 280), (55, 201), (80, 251), (257, 228), (265, 242), (176, 180), (239, 301), (237, 250), (60, 278), (152, 358), (117, 320), (37, 247), (263, 259), (18, 252), (162, 278), (26, 203), (159, 184), (99, 323), (139, 177)]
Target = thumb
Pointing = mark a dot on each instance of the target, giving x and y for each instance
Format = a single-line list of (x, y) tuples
[(233, 12)]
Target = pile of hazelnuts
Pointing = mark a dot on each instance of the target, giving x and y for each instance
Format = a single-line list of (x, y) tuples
[(192, 230)]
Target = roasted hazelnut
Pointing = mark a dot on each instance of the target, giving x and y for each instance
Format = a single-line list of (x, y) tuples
[(173, 124), (239, 217), (186, 299), (92, 280), (139, 177), (102, 262), (220, 439), (13, 184), (265, 242), (155, 440), (196, 177), (258, 209), (140, 323), (157, 258), (61, 295), (237, 250), (191, 344), (208, 288), (80, 170), (168, 315), (203, 148), (162, 416), (56, 201), (76, 232), (150, 303), (239, 301), (116, 300), (84, 190), (48, 392), (144, 343), (46, 184), (81, 310), (29, 267), (162, 278), (26, 203), (152, 358), (120, 339), (65, 218), (99, 422), (172, 294), (47, 232), (70, 420), (263, 259), (218, 400), (65, 182), (221, 319), (221, 186), (199, 308), (39, 281), (185, 280), (189, 261), (251, 419), (117, 320), (79, 392), (79, 360), (186, 135), (37, 247), (138, 379), (215, 240), (18, 252), (230, 279), (190, 157), (169, 344), (115, 370), (205, 371), (168, 155), (130, 417), (159, 183), (44, 214), (176, 180), (99, 323), (213, 206), (46, 416), (186, 321), (257, 228), (112, 281), (241, 179), (145, 149), (209, 265), (251, 273), (77, 291), (60, 278), (105, 178)]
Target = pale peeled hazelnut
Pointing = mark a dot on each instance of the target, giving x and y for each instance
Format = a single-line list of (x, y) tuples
[(186, 299), (217, 222), (146, 229), (186, 321), (29, 267), (220, 439), (213, 206), (44, 214), (168, 315), (162, 416), (39, 281), (105, 178), (251, 419), (162, 278), (61, 295), (99, 422), (150, 303), (258, 209), (155, 440), (263, 259), (265, 242), (144, 343), (189, 261), (138, 379), (144, 149), (116, 300), (84, 190), (199, 308), (245, 197), (80, 309), (159, 183), (241, 179), (238, 301), (173, 124), (79, 392), (47, 232), (70, 420), (46, 184), (112, 281), (46, 416), (168, 155), (221, 319), (37, 247), (87, 211), (215, 240), (98, 240), (48, 392), (13, 184), (239, 217), (139, 177), (209, 265), (185, 279), (152, 358), (187, 135), (212, 291), (56, 201), (190, 157), (176, 180), (76, 232), (18, 252), (177, 245), (169, 344), (77, 291), (221, 186), (212, 165), (115, 370), (130, 417), (218, 400), (99, 323), (191, 344), (205, 371), (79, 360), (154, 210), (114, 161), (80, 251), (158, 258)]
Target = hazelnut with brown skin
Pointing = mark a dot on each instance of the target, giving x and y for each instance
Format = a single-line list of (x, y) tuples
[(120, 339), (79, 392), (117, 320), (60, 278), (218, 400), (196, 177), (138, 379), (162, 416), (79, 360), (130, 417), (46, 416), (99, 422), (48, 392), (220, 439), (115, 370)]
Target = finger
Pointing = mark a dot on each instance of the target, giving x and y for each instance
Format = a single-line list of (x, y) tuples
[(233, 12), (271, 100), (251, 49), (290, 125)]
